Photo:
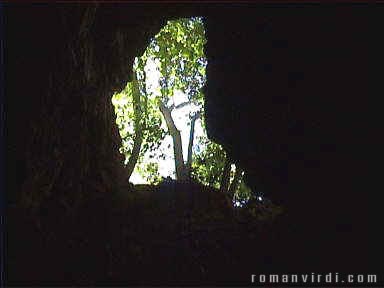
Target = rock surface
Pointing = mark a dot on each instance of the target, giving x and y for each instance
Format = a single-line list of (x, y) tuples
[(286, 95)]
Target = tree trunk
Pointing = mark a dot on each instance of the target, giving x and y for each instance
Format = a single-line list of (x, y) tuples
[(226, 175), (177, 144), (135, 153), (137, 126), (235, 182), (190, 144)]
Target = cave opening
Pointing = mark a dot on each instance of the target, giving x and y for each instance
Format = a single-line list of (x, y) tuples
[(160, 116), (286, 96)]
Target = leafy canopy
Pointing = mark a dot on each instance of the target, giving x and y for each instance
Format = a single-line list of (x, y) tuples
[(173, 64)]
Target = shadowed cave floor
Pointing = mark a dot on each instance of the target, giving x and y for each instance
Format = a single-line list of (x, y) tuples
[(171, 234)]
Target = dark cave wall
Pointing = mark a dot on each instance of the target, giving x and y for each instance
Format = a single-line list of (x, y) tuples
[(63, 64), (290, 80), (284, 88), (288, 97)]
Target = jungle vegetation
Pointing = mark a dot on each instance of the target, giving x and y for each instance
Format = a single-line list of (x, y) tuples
[(167, 81)]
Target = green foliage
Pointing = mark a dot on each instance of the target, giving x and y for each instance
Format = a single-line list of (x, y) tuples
[(243, 193), (263, 211), (150, 172), (177, 53), (150, 120), (123, 104), (207, 166), (179, 48)]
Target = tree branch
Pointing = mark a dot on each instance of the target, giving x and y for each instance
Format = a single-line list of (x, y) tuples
[(226, 174), (235, 182), (181, 105), (177, 144), (168, 117), (190, 144), (138, 140)]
